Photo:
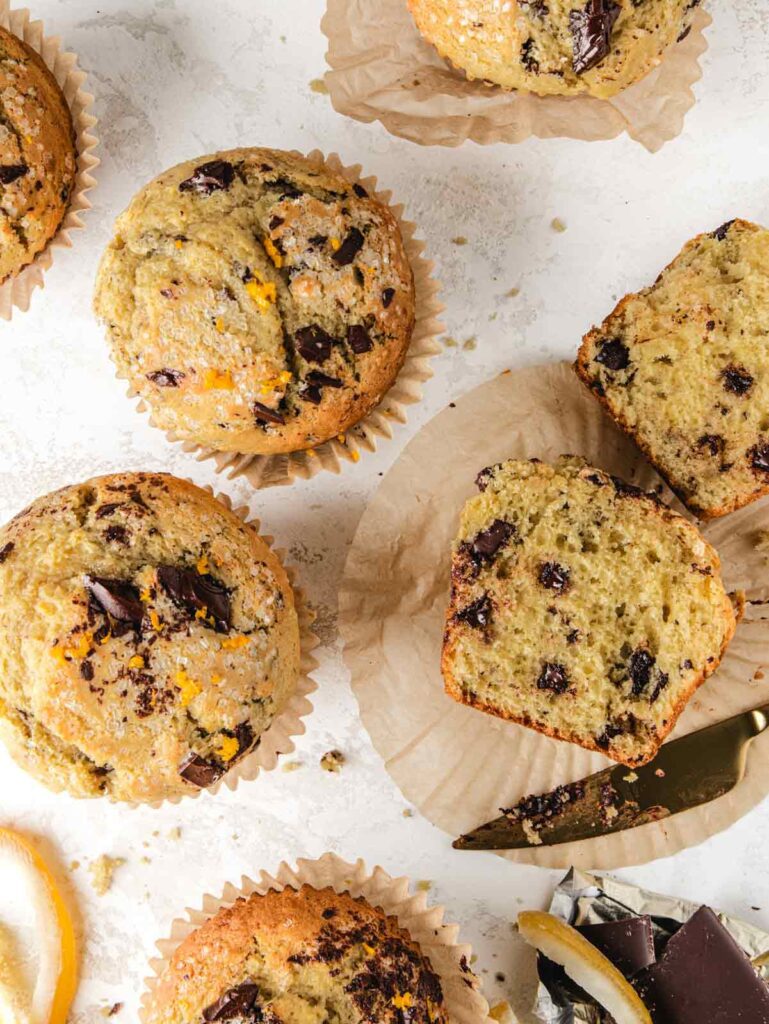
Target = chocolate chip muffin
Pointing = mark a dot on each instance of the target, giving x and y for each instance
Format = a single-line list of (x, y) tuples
[(38, 156), (597, 47), (305, 957), (581, 607), (683, 368), (148, 637), (256, 301)]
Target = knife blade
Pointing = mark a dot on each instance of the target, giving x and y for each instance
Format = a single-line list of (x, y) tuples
[(685, 773)]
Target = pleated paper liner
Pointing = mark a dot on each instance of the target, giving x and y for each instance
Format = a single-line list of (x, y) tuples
[(423, 923), (383, 70), (17, 291), (459, 765), (278, 739), (272, 470)]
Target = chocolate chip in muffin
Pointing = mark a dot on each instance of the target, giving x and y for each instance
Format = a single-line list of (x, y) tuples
[(554, 577), (720, 233), (12, 172), (5, 551), (713, 443), (166, 378), (117, 598), (313, 343), (349, 248), (591, 30), (528, 56), (215, 176), (759, 457), (315, 381), (263, 414), (240, 1002), (201, 773), (477, 614), (387, 296), (613, 354), (737, 380), (553, 677), (195, 592), (359, 339), (116, 534), (487, 543), (641, 665)]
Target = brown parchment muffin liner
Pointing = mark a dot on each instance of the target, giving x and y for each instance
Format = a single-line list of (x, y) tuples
[(425, 925), (17, 291), (278, 739), (273, 470), (459, 766), (383, 70)]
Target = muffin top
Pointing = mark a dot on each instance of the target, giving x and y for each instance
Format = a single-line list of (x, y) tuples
[(148, 637), (306, 957), (38, 158), (256, 301), (598, 47)]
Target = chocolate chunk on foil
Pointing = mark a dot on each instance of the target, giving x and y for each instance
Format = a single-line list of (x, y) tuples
[(629, 943)]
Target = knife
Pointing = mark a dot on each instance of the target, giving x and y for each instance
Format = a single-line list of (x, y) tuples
[(685, 773)]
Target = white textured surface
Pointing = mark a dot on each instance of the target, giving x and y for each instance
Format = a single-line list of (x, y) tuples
[(178, 78)]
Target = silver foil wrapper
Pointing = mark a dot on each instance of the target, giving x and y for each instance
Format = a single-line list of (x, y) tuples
[(582, 898)]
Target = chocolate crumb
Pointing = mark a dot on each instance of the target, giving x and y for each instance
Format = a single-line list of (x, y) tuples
[(215, 176), (553, 677), (613, 354), (166, 378)]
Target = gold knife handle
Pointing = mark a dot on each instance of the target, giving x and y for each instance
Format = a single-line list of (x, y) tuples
[(759, 719)]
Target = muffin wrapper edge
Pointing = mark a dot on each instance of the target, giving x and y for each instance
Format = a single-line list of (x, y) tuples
[(274, 470), (425, 924), (17, 291), (383, 70)]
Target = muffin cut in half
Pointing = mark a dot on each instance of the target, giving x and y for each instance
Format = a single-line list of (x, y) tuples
[(581, 607), (38, 155), (311, 956), (683, 368), (257, 302), (148, 638), (593, 47)]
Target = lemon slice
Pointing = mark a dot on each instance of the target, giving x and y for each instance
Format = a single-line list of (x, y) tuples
[(56, 951), (584, 964)]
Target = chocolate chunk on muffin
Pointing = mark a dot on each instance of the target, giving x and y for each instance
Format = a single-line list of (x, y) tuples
[(293, 957), (257, 302), (148, 637), (581, 607), (596, 47), (38, 156), (683, 368)]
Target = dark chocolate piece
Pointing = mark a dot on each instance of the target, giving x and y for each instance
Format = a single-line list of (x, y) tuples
[(737, 380), (263, 414), (349, 248), (166, 378), (720, 233), (703, 976), (641, 665), (239, 1001), (313, 343), (12, 172), (201, 773), (477, 614), (628, 943), (387, 296), (117, 598), (553, 677), (5, 551), (359, 339), (488, 542), (195, 592), (613, 354), (591, 30), (215, 176), (554, 577), (759, 457)]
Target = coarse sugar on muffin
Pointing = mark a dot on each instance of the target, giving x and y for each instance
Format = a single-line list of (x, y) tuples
[(581, 607), (148, 637), (258, 302), (683, 368), (311, 956), (38, 155), (566, 47)]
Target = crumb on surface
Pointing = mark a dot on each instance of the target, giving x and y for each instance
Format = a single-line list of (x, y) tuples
[(408, 813), (424, 885), (175, 832), (332, 761), (470, 344), (512, 293), (558, 225), (111, 1011), (74, 865), (502, 1012), (319, 86), (449, 342), (292, 766), (102, 870), (459, 240)]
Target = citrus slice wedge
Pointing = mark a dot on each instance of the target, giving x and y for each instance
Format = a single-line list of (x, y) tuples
[(584, 964), (55, 952)]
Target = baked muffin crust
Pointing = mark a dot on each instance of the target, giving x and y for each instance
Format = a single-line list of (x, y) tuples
[(308, 957), (256, 301), (38, 157), (565, 47), (148, 637)]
